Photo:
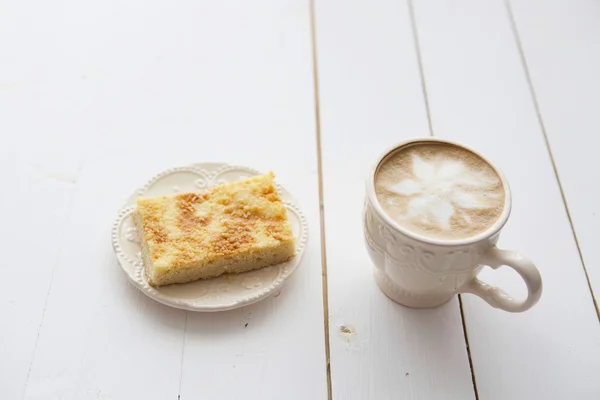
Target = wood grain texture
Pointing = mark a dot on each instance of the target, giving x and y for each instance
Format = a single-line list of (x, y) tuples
[(560, 41), (279, 343), (132, 89), (40, 174), (479, 95), (370, 97), (30, 253)]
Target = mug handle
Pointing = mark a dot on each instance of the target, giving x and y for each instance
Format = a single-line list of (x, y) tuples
[(497, 297)]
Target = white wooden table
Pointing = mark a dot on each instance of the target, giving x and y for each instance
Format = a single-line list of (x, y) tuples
[(97, 96)]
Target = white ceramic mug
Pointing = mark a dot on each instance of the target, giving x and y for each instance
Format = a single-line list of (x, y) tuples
[(418, 271)]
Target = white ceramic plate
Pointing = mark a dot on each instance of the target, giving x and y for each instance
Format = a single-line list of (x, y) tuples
[(217, 294)]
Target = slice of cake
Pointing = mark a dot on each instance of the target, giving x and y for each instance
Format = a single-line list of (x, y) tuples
[(235, 227)]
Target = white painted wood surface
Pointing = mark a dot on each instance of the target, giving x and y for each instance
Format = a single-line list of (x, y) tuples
[(370, 97), (135, 88), (26, 273), (560, 41), (478, 94), (96, 97)]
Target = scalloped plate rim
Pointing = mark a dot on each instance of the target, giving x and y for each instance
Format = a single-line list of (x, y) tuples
[(211, 171)]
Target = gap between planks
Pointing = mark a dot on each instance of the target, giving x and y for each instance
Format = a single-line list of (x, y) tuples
[(182, 354), (313, 33), (538, 113), (54, 267)]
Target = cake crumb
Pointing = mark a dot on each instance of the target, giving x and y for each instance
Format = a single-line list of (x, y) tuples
[(347, 333), (345, 329)]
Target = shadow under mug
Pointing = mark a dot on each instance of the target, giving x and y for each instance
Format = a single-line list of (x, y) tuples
[(422, 272)]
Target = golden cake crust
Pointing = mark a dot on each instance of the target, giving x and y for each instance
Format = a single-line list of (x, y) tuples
[(237, 221)]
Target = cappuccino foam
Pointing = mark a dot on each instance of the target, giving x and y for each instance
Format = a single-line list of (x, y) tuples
[(439, 190)]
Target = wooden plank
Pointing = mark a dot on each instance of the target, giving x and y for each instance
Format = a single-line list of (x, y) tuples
[(39, 177), (479, 95), (134, 89), (279, 351), (38, 195), (100, 337), (370, 97), (560, 41)]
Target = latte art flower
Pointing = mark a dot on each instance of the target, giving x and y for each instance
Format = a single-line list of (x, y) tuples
[(442, 189)]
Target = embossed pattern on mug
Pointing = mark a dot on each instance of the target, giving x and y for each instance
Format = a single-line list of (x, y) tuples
[(440, 190)]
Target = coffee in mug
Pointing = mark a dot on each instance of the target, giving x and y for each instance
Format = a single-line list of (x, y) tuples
[(433, 214), (439, 190)]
